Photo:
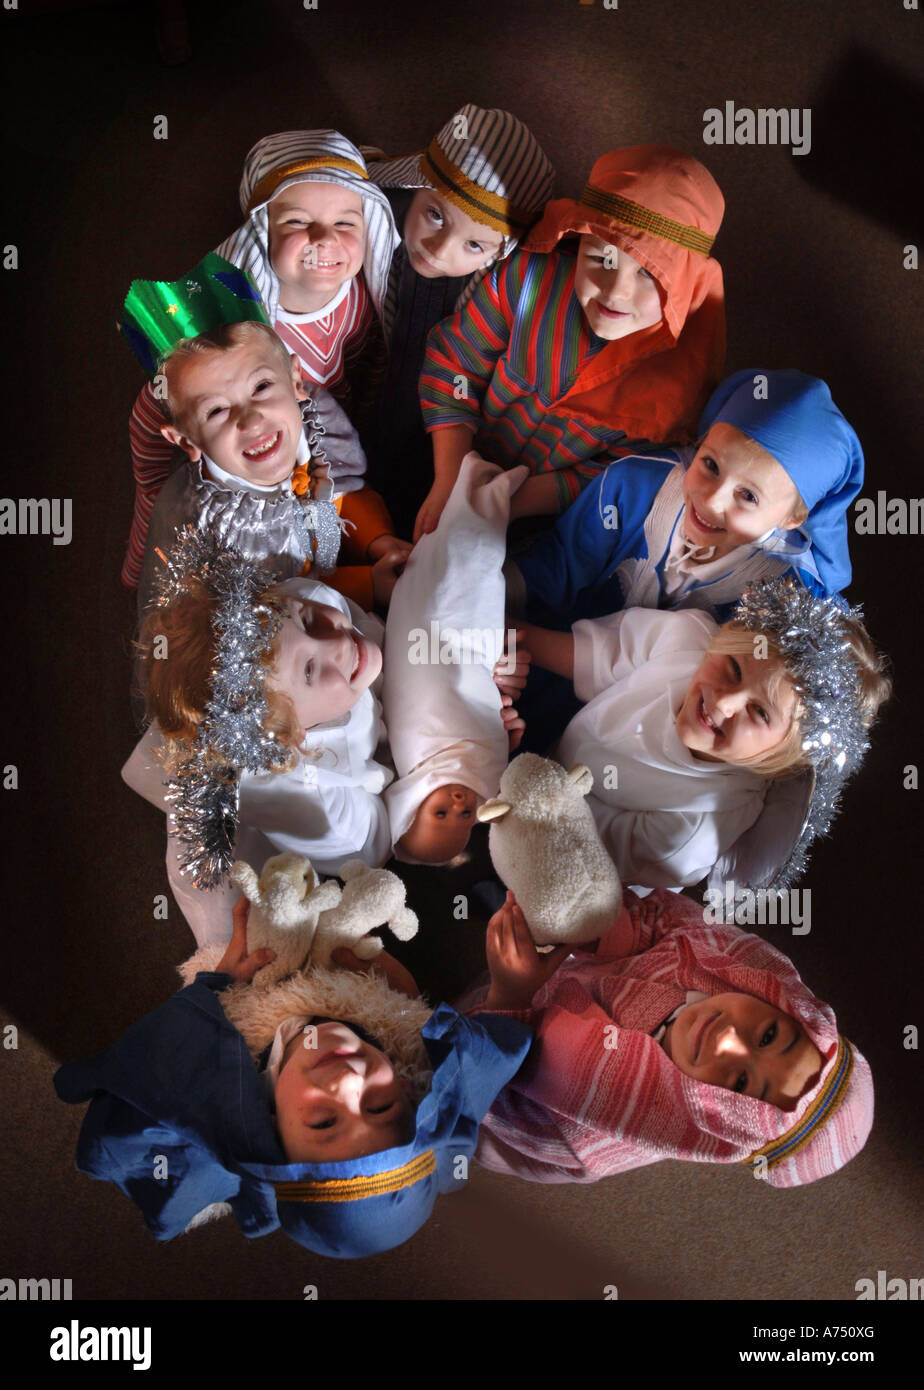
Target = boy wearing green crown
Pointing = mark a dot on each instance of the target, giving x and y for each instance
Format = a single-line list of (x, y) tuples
[(269, 467)]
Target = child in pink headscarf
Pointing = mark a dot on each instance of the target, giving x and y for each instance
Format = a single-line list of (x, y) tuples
[(669, 1038)]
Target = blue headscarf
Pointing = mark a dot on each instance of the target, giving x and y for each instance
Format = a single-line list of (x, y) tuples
[(799, 424), (180, 1119)]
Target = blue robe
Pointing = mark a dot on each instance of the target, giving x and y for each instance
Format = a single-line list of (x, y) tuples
[(180, 1118), (609, 549)]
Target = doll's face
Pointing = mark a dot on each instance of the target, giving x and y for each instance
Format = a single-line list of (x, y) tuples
[(442, 240), (323, 663), (737, 707), (240, 406), (617, 294), (734, 492), (442, 825), (743, 1044), (339, 1099), (316, 242)]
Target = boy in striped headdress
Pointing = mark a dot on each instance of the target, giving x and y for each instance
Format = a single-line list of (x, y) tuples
[(318, 242), (569, 356), (461, 206)]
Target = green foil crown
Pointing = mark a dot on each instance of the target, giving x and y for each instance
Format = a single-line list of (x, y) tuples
[(157, 314)]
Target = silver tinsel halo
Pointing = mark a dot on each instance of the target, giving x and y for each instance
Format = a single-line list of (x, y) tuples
[(810, 635), (231, 739)]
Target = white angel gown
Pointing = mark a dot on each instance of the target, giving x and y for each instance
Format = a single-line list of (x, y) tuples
[(329, 806), (665, 816)]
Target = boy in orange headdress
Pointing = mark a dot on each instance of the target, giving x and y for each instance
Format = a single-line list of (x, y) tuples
[(567, 358)]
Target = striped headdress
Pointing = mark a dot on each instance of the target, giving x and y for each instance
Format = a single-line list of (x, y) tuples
[(487, 164), (308, 156)]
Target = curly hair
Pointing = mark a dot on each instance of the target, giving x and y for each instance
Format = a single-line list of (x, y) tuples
[(177, 653)]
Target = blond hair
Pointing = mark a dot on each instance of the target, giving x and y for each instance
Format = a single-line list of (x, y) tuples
[(788, 758), (177, 655), (220, 339)]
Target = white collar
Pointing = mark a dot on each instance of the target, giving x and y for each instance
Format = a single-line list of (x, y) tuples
[(698, 562), (239, 484), (293, 316)]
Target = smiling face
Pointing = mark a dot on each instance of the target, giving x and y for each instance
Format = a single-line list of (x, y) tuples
[(743, 1044), (617, 294), (442, 825), (338, 1100), (316, 242), (735, 491), (738, 706), (240, 406), (442, 240), (323, 663)]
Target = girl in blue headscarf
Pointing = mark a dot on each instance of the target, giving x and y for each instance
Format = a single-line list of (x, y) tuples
[(764, 494)]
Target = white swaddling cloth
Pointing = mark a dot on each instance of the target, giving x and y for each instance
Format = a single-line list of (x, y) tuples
[(444, 635)]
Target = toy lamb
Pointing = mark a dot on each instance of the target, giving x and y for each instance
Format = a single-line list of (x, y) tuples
[(370, 898), (304, 920), (545, 846)]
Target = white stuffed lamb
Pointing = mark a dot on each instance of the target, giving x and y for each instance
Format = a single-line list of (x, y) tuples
[(545, 846), (304, 920), (370, 898)]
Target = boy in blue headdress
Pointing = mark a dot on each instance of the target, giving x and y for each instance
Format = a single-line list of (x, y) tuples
[(764, 494), (344, 1138)]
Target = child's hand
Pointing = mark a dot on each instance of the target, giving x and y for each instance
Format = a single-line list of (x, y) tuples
[(518, 972), (385, 545), (395, 973), (235, 961), (385, 574), (512, 670), (431, 511), (513, 724)]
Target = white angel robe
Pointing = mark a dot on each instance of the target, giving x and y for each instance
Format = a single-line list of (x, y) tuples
[(665, 816), (329, 806)]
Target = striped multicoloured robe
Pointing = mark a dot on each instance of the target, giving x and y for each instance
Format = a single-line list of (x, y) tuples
[(598, 1095), (505, 363)]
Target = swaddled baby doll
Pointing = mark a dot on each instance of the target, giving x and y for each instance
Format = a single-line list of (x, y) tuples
[(449, 726)]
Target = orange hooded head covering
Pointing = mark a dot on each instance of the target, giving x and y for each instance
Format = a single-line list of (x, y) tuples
[(664, 209)]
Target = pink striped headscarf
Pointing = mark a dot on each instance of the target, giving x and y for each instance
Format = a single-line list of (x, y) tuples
[(592, 1100)]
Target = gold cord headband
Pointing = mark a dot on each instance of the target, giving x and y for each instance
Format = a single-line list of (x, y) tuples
[(634, 215), (819, 1112), (271, 181), (355, 1189), (488, 208)]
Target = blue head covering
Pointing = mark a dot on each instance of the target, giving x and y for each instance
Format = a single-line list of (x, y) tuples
[(797, 422), (180, 1119)]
